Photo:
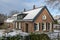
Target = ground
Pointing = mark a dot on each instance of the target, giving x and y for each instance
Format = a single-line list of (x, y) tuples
[(12, 33), (3, 32)]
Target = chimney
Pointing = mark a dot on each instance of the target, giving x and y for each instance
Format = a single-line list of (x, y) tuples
[(33, 6), (24, 10)]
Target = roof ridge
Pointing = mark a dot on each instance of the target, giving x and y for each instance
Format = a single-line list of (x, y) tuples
[(34, 9)]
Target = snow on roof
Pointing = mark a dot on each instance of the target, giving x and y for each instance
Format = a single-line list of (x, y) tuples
[(9, 20), (31, 14)]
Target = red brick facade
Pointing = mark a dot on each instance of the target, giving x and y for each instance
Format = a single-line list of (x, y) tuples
[(30, 25)]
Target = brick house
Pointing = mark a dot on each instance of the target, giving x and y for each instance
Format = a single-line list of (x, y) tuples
[(35, 20)]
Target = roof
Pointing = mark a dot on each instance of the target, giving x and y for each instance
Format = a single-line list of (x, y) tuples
[(33, 14), (9, 20), (16, 14), (12, 18)]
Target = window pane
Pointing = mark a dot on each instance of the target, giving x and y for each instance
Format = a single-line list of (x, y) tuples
[(42, 26), (39, 26), (48, 26), (35, 26)]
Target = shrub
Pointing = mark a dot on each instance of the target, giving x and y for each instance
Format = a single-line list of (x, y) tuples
[(14, 37), (44, 37), (17, 37), (37, 37)]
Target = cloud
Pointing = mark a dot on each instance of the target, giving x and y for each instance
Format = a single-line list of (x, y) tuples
[(7, 6)]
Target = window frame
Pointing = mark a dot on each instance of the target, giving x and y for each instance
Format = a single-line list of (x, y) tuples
[(42, 26), (48, 26), (36, 26)]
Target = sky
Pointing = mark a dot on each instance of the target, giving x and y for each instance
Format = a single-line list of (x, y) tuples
[(6, 6)]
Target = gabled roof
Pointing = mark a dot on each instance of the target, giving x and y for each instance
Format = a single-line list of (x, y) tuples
[(41, 11), (33, 14)]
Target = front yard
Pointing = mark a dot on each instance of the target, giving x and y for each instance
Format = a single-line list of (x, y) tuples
[(20, 35)]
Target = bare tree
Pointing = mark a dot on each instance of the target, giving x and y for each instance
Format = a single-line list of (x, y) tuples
[(53, 3), (13, 12), (2, 18)]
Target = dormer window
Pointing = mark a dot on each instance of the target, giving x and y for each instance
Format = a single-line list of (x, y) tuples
[(21, 16)]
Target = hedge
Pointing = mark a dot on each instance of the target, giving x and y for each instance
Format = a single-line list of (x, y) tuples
[(37, 37), (17, 37), (29, 37)]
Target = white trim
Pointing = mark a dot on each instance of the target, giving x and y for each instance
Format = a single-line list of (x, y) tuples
[(16, 24), (19, 25), (50, 26), (37, 27), (44, 27)]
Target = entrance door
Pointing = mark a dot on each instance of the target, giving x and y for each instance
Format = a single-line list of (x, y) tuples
[(26, 27)]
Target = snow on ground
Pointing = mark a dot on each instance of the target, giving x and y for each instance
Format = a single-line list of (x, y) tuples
[(56, 30), (54, 34), (14, 33)]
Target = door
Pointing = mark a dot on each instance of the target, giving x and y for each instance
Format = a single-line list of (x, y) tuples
[(26, 27)]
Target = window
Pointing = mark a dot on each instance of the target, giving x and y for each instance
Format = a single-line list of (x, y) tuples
[(44, 17), (42, 26), (36, 26), (48, 26), (21, 16), (39, 26)]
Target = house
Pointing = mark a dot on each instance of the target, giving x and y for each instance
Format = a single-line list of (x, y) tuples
[(56, 27), (35, 20), (57, 24), (10, 20), (57, 17)]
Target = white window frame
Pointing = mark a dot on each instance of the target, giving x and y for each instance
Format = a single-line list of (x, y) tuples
[(37, 27), (44, 29), (19, 25), (16, 24)]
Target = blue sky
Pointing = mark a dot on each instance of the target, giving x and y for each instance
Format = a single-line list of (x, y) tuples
[(6, 6)]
